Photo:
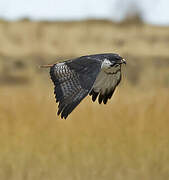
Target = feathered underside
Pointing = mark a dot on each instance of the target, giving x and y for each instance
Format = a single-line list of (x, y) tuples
[(105, 86), (75, 79)]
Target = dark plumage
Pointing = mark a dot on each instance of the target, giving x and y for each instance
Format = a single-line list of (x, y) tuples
[(96, 75)]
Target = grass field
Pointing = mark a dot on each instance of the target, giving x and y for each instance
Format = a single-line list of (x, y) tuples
[(126, 139)]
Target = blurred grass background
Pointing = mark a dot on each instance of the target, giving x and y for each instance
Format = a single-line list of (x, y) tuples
[(126, 139)]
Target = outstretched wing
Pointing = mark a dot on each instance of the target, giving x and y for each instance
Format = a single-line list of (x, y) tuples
[(105, 85), (73, 81)]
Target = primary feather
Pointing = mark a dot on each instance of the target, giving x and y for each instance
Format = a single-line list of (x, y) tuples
[(97, 75)]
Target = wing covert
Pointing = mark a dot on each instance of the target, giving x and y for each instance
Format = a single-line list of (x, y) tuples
[(73, 81)]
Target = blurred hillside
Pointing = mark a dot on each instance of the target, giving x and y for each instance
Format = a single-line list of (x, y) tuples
[(26, 45), (125, 139)]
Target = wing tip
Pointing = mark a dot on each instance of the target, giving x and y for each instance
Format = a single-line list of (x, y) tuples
[(94, 95), (102, 97)]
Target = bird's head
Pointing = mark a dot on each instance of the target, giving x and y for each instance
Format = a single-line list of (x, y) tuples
[(112, 60)]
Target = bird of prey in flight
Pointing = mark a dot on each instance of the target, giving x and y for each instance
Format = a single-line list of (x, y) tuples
[(97, 75)]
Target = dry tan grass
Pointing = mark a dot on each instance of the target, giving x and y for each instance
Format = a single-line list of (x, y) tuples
[(126, 139)]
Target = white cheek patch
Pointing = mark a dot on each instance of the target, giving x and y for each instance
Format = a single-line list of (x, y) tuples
[(106, 64)]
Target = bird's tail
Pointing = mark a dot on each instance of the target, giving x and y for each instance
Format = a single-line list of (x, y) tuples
[(46, 66)]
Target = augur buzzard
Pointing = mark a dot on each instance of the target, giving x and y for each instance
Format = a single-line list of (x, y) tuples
[(96, 75)]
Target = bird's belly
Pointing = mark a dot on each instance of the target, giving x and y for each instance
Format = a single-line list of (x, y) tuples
[(105, 81)]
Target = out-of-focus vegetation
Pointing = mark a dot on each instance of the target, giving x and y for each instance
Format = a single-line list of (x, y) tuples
[(126, 139)]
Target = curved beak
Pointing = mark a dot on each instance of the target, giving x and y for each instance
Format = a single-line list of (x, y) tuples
[(123, 61)]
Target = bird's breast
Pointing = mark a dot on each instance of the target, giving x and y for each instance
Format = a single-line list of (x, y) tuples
[(106, 80)]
